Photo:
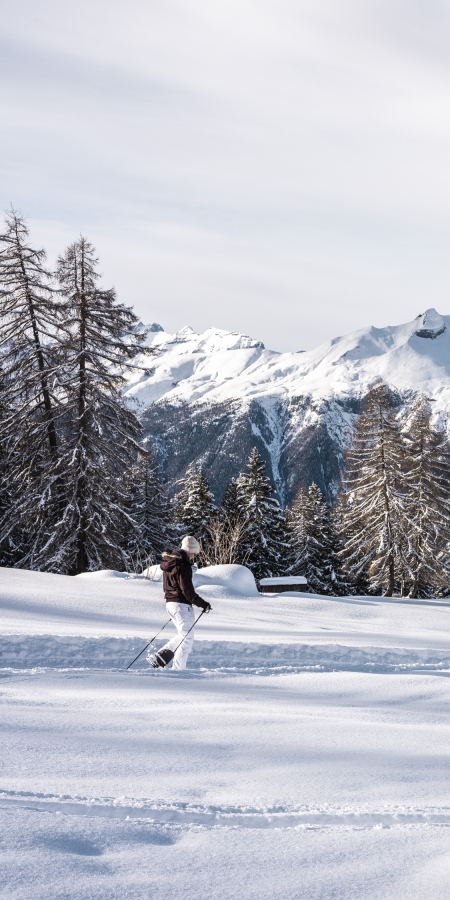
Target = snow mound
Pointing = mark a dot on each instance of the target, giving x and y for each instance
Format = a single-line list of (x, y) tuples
[(153, 573), (102, 574), (236, 579)]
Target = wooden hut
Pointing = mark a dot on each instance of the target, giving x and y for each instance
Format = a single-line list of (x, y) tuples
[(283, 583)]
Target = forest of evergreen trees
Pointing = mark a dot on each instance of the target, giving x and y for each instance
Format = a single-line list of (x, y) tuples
[(80, 491), (388, 533)]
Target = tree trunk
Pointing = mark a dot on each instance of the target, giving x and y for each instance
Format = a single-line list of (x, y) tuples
[(391, 577), (51, 430), (82, 423)]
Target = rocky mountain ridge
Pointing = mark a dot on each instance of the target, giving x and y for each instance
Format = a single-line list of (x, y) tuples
[(211, 397)]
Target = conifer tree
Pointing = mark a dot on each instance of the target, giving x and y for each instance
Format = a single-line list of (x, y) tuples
[(7, 557), (319, 542), (100, 433), (344, 585), (313, 542), (295, 525), (30, 333), (150, 529), (225, 530), (427, 479), (376, 511), (264, 547), (194, 505), (231, 508)]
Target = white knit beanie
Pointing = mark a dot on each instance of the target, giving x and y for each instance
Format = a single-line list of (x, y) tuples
[(190, 544)]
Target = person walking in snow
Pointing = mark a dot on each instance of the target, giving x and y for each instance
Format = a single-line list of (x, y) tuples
[(181, 597)]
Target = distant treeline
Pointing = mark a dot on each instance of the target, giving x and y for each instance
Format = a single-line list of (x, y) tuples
[(79, 490)]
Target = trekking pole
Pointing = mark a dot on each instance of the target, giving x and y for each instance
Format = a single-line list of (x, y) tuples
[(148, 645)]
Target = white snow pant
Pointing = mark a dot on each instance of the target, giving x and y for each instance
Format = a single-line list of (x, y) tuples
[(183, 617)]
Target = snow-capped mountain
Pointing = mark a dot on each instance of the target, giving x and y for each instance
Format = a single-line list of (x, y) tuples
[(212, 396)]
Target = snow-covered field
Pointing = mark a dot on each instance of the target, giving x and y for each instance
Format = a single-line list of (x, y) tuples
[(303, 754)]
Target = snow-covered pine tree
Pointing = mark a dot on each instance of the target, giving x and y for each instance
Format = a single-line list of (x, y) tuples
[(375, 517), (427, 478), (313, 541), (264, 546), (344, 586), (100, 432), (194, 505), (151, 530), (230, 508), (356, 575), (7, 555), (29, 336), (225, 530), (318, 542), (295, 526), (15, 537)]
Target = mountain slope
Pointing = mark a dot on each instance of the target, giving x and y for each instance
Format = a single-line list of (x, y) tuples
[(211, 397)]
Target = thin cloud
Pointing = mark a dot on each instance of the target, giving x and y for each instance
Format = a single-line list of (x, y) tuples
[(275, 167)]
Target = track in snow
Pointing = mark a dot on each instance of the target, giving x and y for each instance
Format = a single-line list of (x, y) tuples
[(24, 653), (213, 816)]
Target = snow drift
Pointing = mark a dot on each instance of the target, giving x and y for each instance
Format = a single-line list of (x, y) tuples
[(236, 579), (233, 579)]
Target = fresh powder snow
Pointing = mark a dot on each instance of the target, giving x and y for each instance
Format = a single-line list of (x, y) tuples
[(303, 754)]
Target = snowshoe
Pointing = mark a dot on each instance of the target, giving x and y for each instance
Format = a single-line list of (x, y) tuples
[(160, 659)]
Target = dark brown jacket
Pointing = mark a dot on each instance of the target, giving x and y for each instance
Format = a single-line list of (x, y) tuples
[(177, 579)]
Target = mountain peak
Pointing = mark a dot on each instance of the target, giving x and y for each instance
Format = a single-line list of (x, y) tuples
[(431, 324)]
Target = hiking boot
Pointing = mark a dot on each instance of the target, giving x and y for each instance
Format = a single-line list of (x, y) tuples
[(161, 659)]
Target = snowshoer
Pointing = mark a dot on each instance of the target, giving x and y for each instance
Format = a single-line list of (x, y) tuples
[(181, 597)]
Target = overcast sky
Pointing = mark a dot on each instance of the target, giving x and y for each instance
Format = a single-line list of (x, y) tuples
[(277, 167)]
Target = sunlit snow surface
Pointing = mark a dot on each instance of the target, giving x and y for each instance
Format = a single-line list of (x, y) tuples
[(304, 754)]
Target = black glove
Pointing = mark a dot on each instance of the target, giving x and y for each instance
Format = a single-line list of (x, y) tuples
[(207, 607)]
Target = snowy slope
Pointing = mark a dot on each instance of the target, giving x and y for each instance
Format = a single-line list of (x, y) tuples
[(109, 604), (211, 397), (303, 754)]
